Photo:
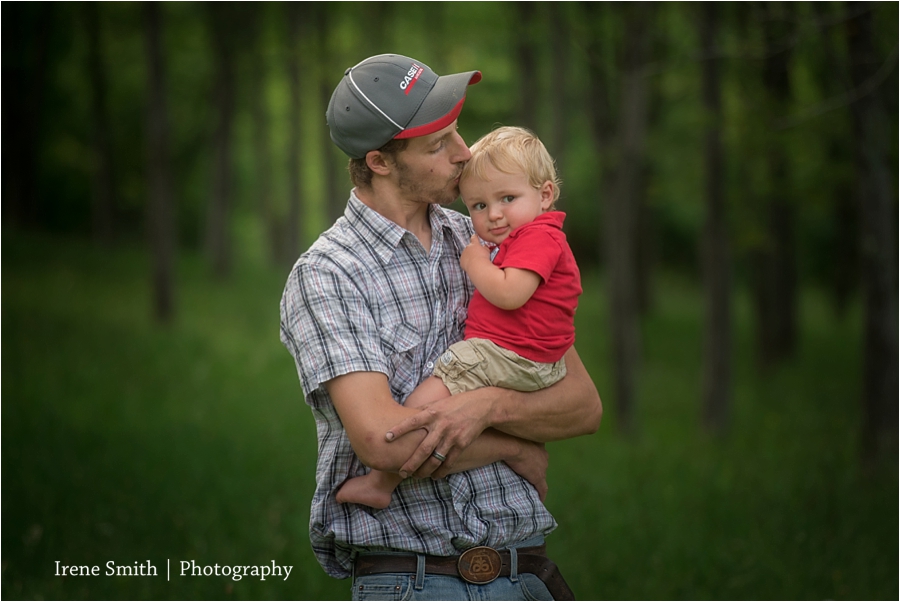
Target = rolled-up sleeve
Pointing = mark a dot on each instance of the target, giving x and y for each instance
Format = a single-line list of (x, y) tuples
[(328, 326)]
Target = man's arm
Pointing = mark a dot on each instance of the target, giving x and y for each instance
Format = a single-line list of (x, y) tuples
[(570, 408), (364, 403)]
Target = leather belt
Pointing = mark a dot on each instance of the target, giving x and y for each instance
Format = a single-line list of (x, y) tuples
[(479, 565)]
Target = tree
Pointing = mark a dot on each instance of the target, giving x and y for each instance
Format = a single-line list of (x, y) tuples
[(218, 239), (559, 101), (103, 185), (160, 219), (295, 16), (879, 246), (25, 49), (716, 380), (621, 153), (526, 62), (835, 81), (775, 278), (334, 198), (262, 154)]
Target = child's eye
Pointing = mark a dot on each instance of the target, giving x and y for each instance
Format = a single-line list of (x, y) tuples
[(477, 207), (509, 198)]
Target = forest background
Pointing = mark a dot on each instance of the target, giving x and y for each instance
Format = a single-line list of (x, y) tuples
[(730, 178)]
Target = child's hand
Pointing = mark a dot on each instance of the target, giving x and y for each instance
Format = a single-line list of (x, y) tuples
[(474, 252)]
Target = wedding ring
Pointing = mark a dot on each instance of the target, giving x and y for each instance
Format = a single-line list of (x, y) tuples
[(440, 457)]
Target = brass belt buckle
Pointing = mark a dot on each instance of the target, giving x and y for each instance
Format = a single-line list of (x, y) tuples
[(479, 565)]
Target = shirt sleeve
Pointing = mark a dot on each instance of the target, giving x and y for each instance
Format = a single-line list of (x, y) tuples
[(327, 325), (535, 249)]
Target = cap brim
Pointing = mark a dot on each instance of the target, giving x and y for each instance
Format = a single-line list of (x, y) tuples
[(442, 105)]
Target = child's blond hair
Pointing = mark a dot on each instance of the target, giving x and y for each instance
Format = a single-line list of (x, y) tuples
[(513, 150)]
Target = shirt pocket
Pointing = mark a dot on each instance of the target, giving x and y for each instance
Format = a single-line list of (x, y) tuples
[(400, 343)]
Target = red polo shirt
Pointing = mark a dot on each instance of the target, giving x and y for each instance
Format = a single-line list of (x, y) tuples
[(543, 329)]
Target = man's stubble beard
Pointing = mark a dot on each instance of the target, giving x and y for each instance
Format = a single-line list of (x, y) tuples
[(414, 190)]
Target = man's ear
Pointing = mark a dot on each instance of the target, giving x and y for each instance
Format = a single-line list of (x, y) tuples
[(378, 163)]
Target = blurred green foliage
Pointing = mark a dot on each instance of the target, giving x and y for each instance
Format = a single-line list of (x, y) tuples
[(126, 442), (459, 36)]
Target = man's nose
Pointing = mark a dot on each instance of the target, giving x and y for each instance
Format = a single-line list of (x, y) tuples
[(461, 152)]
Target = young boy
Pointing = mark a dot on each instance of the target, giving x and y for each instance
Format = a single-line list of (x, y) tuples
[(521, 318)]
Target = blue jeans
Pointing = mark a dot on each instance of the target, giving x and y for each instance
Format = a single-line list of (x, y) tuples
[(396, 586), (420, 586)]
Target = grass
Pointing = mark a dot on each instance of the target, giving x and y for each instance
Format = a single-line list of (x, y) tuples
[(125, 441), (777, 510)]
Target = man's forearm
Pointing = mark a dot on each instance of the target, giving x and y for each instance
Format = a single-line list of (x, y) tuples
[(529, 460), (570, 408), (490, 446), (366, 409)]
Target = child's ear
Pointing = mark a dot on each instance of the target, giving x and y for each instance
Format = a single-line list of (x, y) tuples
[(546, 191)]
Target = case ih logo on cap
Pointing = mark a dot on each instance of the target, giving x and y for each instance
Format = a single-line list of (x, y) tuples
[(411, 77)]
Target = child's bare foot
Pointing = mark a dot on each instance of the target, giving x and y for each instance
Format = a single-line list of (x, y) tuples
[(363, 490)]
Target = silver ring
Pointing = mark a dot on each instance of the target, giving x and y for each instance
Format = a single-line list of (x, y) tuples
[(440, 457)]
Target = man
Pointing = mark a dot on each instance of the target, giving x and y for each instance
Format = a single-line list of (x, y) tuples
[(366, 312)]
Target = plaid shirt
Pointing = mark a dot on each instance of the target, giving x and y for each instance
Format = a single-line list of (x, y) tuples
[(368, 297)]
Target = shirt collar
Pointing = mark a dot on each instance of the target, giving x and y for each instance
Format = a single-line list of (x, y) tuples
[(383, 234), (550, 219)]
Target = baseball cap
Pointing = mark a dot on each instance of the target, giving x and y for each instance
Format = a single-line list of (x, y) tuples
[(392, 96)]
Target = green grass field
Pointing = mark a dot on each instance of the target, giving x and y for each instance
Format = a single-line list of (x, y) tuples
[(126, 442)]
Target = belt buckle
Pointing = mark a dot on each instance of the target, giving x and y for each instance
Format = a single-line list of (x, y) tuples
[(480, 565)]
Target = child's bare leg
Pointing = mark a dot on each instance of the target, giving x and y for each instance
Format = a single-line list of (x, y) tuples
[(375, 489), (430, 389)]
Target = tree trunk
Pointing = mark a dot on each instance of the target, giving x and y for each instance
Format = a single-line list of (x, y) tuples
[(622, 219), (559, 99), (24, 71), (845, 274), (599, 103), (617, 248), (378, 18), (295, 16), (218, 238), (646, 237), (262, 155), (335, 199), (832, 75), (527, 65), (775, 265), (879, 249), (716, 380), (645, 250), (160, 223), (103, 184)]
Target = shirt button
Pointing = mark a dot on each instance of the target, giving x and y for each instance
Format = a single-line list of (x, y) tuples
[(429, 365)]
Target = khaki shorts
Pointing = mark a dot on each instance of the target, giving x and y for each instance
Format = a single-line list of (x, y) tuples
[(476, 363)]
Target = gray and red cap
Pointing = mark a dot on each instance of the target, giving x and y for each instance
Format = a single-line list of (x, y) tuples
[(392, 96)]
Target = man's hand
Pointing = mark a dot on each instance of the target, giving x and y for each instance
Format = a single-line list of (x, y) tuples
[(531, 464), (570, 408), (527, 459), (452, 424)]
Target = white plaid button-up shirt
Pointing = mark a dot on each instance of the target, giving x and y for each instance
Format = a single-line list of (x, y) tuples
[(367, 297)]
